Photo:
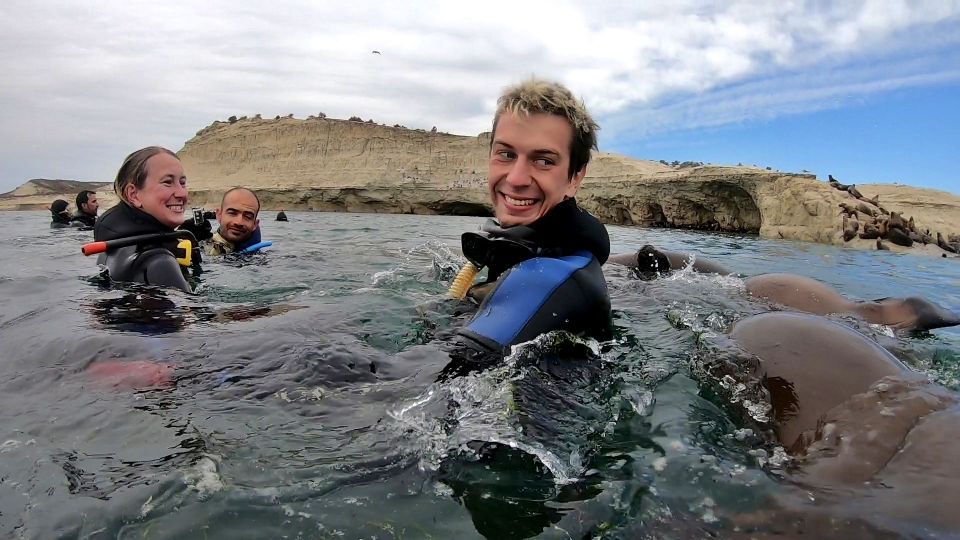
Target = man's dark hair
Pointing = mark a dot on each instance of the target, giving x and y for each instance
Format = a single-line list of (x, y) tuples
[(83, 197)]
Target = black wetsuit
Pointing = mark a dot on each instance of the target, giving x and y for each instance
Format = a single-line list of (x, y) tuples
[(60, 221), (559, 285), (84, 219), (151, 263)]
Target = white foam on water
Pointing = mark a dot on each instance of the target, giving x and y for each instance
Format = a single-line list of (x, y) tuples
[(203, 477)]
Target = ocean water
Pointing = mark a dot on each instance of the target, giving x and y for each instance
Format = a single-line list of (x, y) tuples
[(306, 402)]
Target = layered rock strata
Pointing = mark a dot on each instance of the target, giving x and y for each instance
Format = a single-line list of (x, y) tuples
[(338, 165)]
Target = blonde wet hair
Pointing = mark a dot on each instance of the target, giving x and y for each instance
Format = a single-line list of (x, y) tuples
[(538, 96)]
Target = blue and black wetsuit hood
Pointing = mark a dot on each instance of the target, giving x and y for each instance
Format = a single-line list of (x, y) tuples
[(564, 230)]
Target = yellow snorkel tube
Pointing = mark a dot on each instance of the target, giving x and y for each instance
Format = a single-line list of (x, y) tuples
[(461, 284)]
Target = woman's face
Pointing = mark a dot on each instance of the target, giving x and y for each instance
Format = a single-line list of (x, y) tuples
[(164, 193)]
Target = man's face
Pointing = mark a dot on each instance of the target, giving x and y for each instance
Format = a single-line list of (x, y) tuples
[(529, 164), (238, 216), (91, 206)]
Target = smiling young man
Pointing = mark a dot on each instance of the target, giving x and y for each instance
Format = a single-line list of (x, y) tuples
[(543, 253), (239, 225)]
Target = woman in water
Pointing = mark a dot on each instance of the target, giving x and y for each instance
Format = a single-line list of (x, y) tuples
[(60, 218), (152, 188)]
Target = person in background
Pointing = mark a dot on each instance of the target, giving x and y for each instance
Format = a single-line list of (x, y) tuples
[(87, 206), (543, 252), (60, 217), (239, 224), (152, 188)]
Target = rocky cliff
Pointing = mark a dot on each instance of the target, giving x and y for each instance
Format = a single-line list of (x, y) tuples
[(38, 193), (338, 165)]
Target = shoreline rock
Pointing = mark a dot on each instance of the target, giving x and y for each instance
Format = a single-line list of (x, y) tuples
[(321, 164)]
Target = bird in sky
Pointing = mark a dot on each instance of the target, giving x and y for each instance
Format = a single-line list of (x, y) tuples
[(375, 52)]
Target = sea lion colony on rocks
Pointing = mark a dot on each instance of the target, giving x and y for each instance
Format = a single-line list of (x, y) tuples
[(868, 220)]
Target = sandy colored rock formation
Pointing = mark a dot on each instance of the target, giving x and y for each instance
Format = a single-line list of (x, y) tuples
[(37, 194), (340, 165)]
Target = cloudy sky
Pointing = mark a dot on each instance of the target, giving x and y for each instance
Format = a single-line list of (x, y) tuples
[(868, 91)]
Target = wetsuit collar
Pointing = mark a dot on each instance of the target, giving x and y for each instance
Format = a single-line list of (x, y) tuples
[(566, 228), (123, 220)]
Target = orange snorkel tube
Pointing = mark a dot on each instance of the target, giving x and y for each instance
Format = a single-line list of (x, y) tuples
[(183, 253), (99, 247)]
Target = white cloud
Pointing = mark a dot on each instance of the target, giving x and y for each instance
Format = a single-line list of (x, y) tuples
[(84, 84)]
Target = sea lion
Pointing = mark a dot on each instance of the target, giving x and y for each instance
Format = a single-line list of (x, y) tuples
[(870, 439), (895, 221), (809, 295), (852, 189), (848, 210), (870, 231), (911, 226), (787, 345), (833, 182), (864, 208), (881, 246), (650, 259), (944, 245), (899, 236), (850, 228), (874, 201)]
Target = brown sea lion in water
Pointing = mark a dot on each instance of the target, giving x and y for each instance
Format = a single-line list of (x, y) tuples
[(809, 295), (803, 293), (871, 440), (850, 228), (786, 344), (654, 260)]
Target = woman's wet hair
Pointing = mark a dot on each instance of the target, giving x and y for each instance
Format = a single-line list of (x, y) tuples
[(537, 96), (58, 206), (134, 169)]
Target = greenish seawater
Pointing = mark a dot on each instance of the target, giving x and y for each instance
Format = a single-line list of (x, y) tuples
[(307, 404)]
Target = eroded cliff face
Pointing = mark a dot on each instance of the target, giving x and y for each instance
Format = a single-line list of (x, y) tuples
[(338, 165), (323, 153)]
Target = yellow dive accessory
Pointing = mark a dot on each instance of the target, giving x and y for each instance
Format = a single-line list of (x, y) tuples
[(186, 246), (463, 281)]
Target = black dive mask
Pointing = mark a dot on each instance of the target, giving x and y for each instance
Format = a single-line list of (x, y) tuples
[(499, 248)]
